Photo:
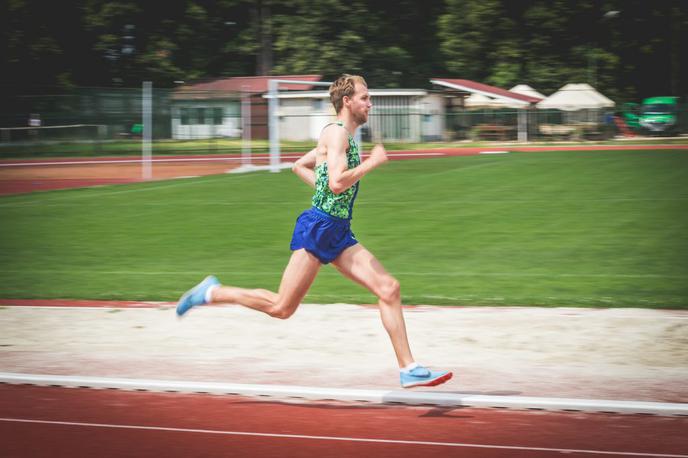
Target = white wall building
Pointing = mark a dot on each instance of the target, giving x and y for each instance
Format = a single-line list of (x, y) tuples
[(208, 118), (413, 115)]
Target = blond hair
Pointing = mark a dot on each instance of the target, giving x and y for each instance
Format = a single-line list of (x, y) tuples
[(345, 85)]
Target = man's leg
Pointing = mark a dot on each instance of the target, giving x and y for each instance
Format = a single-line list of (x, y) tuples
[(359, 264), (297, 278)]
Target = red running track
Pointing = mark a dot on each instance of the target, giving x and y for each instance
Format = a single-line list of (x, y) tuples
[(69, 422)]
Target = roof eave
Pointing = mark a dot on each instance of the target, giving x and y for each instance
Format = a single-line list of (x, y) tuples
[(485, 93)]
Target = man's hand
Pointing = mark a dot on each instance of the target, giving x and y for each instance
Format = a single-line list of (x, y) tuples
[(378, 155)]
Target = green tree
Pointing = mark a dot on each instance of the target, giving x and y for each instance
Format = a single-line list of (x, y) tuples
[(322, 37), (632, 53), (478, 39), (454, 33), (546, 27), (33, 43), (401, 43)]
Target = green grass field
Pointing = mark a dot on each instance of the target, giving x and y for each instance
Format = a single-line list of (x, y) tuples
[(602, 229)]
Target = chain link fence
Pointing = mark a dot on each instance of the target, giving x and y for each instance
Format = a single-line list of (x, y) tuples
[(108, 121)]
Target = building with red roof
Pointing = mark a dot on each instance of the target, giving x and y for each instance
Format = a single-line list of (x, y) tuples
[(460, 89), (473, 87), (212, 108)]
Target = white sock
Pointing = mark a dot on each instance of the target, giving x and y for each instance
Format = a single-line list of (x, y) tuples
[(209, 294), (410, 367)]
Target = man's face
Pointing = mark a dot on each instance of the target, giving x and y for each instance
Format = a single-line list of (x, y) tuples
[(360, 104)]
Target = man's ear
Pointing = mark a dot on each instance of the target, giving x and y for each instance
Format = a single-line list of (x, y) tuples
[(346, 100)]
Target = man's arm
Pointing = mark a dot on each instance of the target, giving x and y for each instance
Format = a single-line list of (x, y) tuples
[(304, 168), (342, 178)]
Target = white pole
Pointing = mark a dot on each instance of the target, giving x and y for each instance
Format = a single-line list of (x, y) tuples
[(147, 107), (245, 126), (273, 125), (522, 125)]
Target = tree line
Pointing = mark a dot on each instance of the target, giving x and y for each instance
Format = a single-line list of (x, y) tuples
[(628, 49)]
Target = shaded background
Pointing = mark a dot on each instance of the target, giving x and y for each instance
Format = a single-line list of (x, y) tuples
[(627, 49)]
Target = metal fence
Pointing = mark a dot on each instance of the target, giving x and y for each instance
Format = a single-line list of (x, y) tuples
[(98, 121)]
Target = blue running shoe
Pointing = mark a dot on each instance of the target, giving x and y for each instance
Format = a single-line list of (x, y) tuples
[(421, 376), (196, 295)]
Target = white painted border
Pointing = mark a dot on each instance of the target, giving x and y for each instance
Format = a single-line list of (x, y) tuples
[(436, 398)]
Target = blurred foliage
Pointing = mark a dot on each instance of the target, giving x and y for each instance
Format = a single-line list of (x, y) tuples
[(626, 48)]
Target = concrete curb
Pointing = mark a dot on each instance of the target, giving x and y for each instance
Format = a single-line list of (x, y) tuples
[(286, 392)]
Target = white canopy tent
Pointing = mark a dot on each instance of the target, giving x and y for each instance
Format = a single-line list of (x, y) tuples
[(581, 103), (574, 97)]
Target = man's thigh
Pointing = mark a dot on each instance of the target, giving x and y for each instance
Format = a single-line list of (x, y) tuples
[(297, 278), (361, 266)]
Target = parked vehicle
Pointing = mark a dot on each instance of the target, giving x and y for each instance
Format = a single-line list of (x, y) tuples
[(656, 115)]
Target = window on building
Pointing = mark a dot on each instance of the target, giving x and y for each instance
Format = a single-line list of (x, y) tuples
[(217, 114), (185, 116), (232, 109), (199, 116), (190, 116)]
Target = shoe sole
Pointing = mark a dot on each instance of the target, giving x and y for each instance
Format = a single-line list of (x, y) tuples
[(438, 381), (187, 295), (179, 310)]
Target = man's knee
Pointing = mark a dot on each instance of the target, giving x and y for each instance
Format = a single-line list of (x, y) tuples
[(282, 310), (390, 290)]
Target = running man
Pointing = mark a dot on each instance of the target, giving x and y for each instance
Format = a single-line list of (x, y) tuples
[(323, 234)]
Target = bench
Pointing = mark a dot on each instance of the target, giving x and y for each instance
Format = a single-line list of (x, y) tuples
[(493, 132)]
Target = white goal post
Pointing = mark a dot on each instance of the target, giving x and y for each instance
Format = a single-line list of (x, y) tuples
[(273, 117), (147, 137)]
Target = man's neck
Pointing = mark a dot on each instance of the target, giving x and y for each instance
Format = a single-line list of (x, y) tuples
[(348, 122)]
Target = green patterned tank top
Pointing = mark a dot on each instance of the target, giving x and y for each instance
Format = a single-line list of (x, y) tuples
[(342, 205)]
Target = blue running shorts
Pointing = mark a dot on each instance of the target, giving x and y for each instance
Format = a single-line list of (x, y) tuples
[(323, 235)]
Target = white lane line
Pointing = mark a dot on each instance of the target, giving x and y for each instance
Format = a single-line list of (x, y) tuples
[(335, 438), (120, 161), (182, 159), (152, 186), (132, 161), (399, 273), (357, 395), (414, 154)]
